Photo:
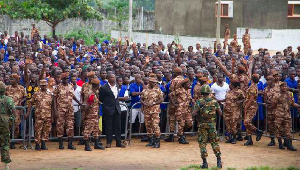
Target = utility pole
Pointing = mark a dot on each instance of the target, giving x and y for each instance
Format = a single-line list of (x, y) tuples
[(218, 22), (130, 21)]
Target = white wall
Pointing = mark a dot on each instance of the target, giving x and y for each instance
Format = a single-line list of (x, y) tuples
[(277, 41)]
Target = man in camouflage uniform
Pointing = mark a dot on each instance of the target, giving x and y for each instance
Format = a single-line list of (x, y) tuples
[(232, 108), (270, 91), (18, 94), (246, 41), (43, 101), (85, 90), (251, 106), (151, 98), (91, 124), (64, 111), (177, 78), (205, 109), (7, 112), (283, 120), (182, 102)]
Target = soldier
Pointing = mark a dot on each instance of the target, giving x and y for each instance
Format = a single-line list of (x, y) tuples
[(232, 108), (64, 111), (270, 91), (226, 36), (43, 100), (182, 101), (251, 107), (91, 124), (283, 120), (151, 98), (246, 41), (177, 78), (234, 43), (18, 94), (6, 118), (205, 109), (85, 90)]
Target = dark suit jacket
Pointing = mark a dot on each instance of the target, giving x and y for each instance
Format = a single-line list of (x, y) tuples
[(108, 99)]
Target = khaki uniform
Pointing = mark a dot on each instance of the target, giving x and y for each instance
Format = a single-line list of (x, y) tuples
[(91, 120), (42, 127), (17, 94), (250, 111), (65, 111), (283, 119), (247, 44), (152, 118), (232, 110)]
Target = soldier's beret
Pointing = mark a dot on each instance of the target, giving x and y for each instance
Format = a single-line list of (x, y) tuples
[(275, 73), (255, 76), (234, 79), (64, 75), (177, 70), (91, 74), (270, 78), (11, 58), (95, 81), (152, 75), (241, 68), (43, 83), (203, 79), (15, 76)]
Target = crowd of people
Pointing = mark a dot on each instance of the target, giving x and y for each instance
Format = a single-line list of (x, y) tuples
[(74, 86)]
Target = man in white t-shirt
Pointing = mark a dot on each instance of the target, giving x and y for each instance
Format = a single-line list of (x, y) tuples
[(220, 88), (77, 93)]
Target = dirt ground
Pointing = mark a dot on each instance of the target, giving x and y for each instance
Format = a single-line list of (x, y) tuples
[(169, 156)]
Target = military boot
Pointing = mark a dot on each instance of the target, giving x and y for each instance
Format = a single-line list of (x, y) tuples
[(233, 139), (239, 136), (87, 145), (44, 145), (249, 141), (272, 143), (81, 142), (151, 141), (157, 143), (70, 144), (204, 164), (290, 145), (285, 142), (61, 143), (182, 140), (37, 147), (170, 138), (219, 162), (280, 144), (97, 144), (229, 140), (6, 166), (259, 133), (12, 145)]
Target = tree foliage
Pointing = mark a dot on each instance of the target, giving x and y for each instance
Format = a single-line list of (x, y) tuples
[(149, 5), (51, 11)]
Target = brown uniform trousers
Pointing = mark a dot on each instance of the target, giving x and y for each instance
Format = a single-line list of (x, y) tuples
[(251, 110)]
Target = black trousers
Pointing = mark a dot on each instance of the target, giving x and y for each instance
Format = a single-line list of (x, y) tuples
[(113, 127)]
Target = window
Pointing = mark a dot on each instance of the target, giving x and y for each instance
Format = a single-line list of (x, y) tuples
[(293, 9), (226, 9)]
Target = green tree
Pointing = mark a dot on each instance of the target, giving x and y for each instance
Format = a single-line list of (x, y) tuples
[(51, 11), (148, 5), (118, 11)]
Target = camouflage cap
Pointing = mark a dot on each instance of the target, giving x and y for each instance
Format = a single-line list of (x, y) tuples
[(205, 89), (2, 87), (95, 81), (43, 83)]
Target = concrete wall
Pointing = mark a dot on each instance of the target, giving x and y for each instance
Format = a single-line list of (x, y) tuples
[(102, 26), (197, 17), (276, 40)]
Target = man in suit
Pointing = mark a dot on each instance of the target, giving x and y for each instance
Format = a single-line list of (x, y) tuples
[(108, 95)]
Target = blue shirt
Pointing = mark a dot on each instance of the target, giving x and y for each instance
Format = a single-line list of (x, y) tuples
[(134, 87), (102, 82), (163, 106), (123, 90), (80, 60), (292, 84), (167, 91)]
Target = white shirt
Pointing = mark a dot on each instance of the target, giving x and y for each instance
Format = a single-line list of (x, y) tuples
[(123, 108), (77, 93), (114, 89), (220, 92)]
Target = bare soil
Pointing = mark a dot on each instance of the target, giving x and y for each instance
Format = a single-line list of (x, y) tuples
[(169, 156)]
